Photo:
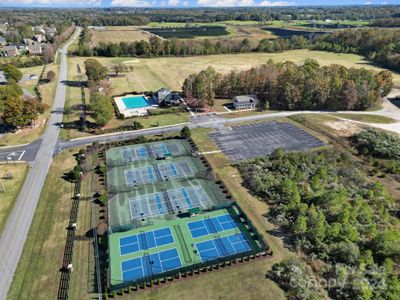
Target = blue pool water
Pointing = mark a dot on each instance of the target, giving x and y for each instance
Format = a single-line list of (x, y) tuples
[(135, 102)]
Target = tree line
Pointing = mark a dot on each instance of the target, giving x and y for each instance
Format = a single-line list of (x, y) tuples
[(379, 45), (289, 86), (332, 213)]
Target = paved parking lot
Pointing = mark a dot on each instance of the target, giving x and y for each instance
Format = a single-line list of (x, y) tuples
[(259, 139)]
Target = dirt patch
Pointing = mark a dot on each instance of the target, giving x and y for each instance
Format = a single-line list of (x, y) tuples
[(344, 128)]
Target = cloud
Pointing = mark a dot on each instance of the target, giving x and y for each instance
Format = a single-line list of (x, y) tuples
[(185, 3), (53, 2), (174, 2), (275, 3), (132, 3), (368, 3), (226, 2)]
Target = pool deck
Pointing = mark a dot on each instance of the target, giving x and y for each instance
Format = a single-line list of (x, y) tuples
[(132, 112)]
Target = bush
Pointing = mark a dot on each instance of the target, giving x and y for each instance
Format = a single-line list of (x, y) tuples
[(185, 132)]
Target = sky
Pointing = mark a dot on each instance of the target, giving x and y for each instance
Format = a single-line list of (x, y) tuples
[(185, 3)]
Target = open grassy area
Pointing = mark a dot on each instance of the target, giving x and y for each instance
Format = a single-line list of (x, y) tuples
[(29, 134), (154, 73), (12, 187), (366, 118), (117, 34), (37, 275)]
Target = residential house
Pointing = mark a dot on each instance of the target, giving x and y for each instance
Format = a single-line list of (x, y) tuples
[(40, 38), (29, 42), (245, 101), (50, 31), (11, 51), (3, 41), (165, 97), (20, 46), (36, 49)]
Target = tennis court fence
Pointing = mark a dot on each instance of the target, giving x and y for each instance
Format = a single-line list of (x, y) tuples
[(258, 248)]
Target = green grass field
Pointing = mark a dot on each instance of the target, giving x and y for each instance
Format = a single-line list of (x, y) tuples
[(12, 188), (37, 274), (366, 118), (154, 73)]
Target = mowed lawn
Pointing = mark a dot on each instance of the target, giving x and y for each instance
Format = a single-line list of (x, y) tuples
[(154, 73), (117, 34), (12, 188), (37, 275)]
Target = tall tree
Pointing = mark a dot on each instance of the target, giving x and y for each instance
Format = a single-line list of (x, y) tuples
[(12, 73), (95, 70)]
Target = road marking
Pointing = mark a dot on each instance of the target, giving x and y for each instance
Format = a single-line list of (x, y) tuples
[(22, 154)]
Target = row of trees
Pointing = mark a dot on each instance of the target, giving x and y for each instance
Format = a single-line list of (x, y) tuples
[(170, 47), (333, 213), (379, 45), (293, 87), (100, 98)]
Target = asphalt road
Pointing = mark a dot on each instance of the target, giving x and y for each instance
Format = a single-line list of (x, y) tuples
[(14, 235)]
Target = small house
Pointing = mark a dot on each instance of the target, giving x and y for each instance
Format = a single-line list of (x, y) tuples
[(20, 46), (29, 42), (165, 97), (245, 101), (11, 51), (36, 49), (40, 38)]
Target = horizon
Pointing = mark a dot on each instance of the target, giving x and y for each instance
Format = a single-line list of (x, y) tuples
[(187, 4)]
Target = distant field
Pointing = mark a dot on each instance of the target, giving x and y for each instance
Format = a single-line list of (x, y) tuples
[(116, 34), (153, 73)]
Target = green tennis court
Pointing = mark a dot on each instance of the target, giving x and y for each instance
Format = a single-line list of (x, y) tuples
[(120, 156), (141, 253)]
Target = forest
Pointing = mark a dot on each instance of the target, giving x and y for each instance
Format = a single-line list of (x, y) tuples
[(335, 215), (379, 45), (287, 86), (141, 16)]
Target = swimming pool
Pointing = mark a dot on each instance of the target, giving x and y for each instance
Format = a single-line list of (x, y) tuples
[(135, 102)]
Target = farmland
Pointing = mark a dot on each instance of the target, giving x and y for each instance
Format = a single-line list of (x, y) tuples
[(187, 32), (117, 34)]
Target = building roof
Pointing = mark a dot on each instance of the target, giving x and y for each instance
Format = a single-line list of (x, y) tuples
[(2, 40), (244, 98), (10, 48), (163, 90), (17, 44), (36, 47)]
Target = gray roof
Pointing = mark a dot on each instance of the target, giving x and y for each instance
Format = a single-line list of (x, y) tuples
[(244, 98), (10, 48), (2, 40), (36, 47)]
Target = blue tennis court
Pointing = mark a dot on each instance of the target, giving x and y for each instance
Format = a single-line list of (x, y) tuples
[(135, 153), (140, 175), (211, 225), (165, 148), (221, 247), (145, 240), (148, 265), (178, 168)]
